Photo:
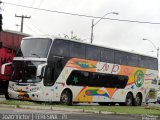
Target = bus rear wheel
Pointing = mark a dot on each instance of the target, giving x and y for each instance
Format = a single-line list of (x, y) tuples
[(138, 100), (129, 100), (7, 96), (66, 98)]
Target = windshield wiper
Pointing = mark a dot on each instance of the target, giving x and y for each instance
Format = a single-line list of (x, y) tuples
[(36, 55)]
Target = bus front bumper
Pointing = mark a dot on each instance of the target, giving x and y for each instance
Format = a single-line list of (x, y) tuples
[(25, 95)]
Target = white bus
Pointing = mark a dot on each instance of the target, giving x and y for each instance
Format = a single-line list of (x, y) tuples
[(68, 71)]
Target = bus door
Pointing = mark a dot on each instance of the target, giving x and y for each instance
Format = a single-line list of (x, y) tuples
[(48, 82), (52, 72)]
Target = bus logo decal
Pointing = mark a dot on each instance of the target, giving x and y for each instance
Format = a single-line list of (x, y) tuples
[(96, 92), (139, 78), (85, 65), (24, 95), (75, 80), (105, 67), (115, 68)]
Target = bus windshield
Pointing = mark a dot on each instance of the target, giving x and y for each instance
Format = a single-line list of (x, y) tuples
[(34, 47), (25, 72)]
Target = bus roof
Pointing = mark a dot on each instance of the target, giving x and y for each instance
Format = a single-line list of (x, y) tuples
[(16, 32), (78, 41)]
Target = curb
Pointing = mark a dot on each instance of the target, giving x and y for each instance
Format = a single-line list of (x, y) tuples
[(56, 108), (68, 110), (8, 106), (35, 107), (60, 109)]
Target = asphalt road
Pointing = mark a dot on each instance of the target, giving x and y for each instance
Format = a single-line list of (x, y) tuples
[(5, 113)]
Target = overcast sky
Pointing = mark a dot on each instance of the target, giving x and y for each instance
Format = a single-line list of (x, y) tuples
[(122, 35)]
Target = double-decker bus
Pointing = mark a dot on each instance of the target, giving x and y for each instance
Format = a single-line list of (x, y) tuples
[(68, 71)]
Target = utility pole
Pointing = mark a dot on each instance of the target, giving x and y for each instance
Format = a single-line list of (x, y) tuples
[(92, 30), (22, 19), (17, 26), (154, 45), (93, 24), (71, 34)]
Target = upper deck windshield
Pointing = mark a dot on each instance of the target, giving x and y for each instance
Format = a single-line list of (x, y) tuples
[(34, 47)]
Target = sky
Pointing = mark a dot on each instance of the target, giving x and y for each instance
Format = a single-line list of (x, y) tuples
[(111, 33)]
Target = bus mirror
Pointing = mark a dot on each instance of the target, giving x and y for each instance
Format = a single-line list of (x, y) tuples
[(40, 69), (3, 68)]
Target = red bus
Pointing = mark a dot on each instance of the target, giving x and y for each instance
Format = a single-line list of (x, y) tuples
[(9, 43)]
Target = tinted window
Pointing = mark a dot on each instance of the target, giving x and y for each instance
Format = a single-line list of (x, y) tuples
[(92, 53), (148, 62), (132, 59), (120, 57), (107, 55), (60, 48), (142, 61), (79, 78), (77, 50), (34, 47), (154, 64), (49, 76)]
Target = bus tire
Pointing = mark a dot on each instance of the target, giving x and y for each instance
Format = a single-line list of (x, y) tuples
[(138, 100), (66, 98), (7, 96), (129, 100)]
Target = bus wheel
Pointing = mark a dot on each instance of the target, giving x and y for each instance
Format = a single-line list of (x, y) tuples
[(66, 98), (7, 96), (138, 100), (129, 99)]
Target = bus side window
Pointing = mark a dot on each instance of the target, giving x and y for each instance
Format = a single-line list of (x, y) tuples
[(107, 55), (77, 50), (93, 79), (59, 48), (132, 59), (49, 76), (148, 62), (92, 53), (120, 57), (143, 62)]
